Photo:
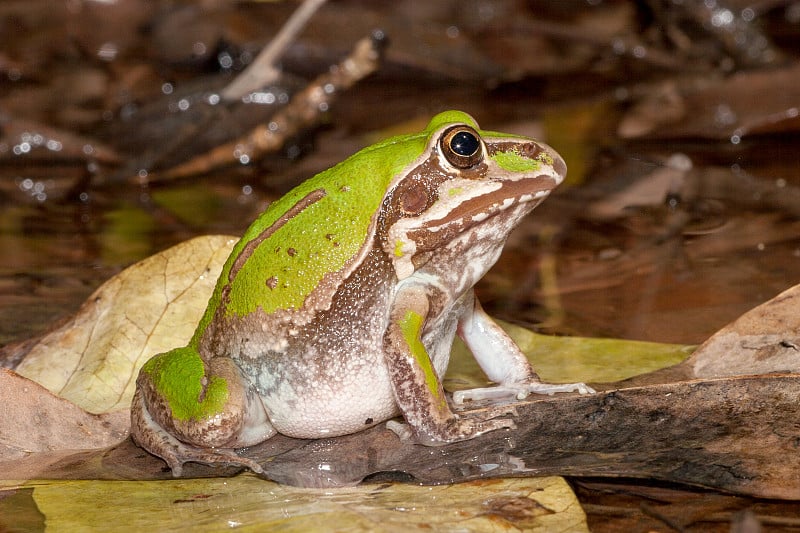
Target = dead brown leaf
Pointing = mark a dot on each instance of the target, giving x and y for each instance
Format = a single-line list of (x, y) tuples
[(721, 109), (762, 341), (35, 420)]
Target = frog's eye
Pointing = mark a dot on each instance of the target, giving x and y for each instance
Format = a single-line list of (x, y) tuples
[(461, 146)]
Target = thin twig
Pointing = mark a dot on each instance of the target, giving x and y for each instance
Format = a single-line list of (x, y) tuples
[(262, 70), (304, 108)]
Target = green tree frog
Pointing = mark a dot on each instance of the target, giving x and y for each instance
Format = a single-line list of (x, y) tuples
[(337, 309)]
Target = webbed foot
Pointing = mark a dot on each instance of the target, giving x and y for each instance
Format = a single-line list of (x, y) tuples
[(520, 391)]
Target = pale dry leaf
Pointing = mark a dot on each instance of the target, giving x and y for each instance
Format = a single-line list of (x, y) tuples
[(152, 306)]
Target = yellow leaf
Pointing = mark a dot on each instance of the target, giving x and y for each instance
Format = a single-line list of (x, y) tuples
[(568, 359), (249, 503)]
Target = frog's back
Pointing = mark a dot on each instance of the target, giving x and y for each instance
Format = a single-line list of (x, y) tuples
[(319, 227)]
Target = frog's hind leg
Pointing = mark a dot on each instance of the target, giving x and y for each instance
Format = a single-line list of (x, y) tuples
[(202, 412), (148, 434)]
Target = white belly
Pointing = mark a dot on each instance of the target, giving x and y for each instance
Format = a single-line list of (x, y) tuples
[(358, 398)]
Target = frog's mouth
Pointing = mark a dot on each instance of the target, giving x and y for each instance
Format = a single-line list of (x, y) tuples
[(481, 209)]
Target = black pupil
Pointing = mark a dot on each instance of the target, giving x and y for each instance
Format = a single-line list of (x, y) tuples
[(464, 143)]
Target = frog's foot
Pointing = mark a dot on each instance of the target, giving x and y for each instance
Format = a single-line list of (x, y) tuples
[(520, 391), (176, 453), (462, 427), (148, 434), (401, 429)]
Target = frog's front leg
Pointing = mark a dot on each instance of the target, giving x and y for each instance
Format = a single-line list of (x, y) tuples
[(502, 361), (187, 410), (417, 388)]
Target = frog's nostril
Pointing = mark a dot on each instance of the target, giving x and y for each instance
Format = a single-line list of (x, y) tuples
[(552, 157)]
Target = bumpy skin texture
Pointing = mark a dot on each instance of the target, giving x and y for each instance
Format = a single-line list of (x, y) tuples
[(337, 309)]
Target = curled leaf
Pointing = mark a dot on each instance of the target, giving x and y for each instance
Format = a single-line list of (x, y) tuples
[(153, 306)]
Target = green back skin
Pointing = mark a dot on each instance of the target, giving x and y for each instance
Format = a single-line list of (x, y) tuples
[(299, 252)]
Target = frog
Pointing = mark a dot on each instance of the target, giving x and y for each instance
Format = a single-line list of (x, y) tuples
[(337, 309)]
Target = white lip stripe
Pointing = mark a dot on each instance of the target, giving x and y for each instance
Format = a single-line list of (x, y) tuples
[(493, 209)]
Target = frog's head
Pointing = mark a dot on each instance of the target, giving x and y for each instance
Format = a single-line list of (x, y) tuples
[(442, 199), (467, 190)]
